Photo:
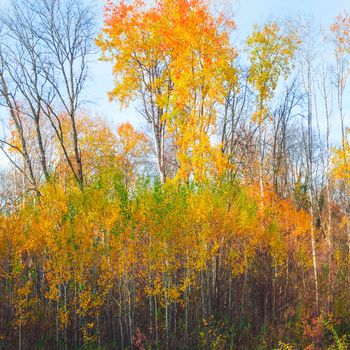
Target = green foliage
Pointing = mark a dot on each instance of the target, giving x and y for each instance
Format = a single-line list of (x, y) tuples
[(339, 342)]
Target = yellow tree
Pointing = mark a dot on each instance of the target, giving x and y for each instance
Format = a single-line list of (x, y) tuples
[(174, 58), (341, 38), (270, 52), (97, 146), (130, 40), (201, 64), (341, 171), (341, 168), (131, 152), (341, 32)]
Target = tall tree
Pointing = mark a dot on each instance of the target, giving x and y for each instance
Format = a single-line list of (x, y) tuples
[(270, 52), (178, 78), (46, 49), (307, 57)]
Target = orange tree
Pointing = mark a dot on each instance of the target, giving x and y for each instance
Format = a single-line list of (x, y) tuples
[(174, 58)]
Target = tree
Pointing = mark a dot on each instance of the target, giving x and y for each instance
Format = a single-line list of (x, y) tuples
[(178, 79), (341, 41), (270, 52), (133, 147), (307, 57), (45, 55), (131, 41), (21, 73)]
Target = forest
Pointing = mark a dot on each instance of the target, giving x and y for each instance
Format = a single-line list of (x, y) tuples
[(217, 218)]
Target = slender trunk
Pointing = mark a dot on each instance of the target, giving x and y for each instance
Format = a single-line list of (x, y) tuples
[(159, 144), (131, 331), (261, 157), (166, 309), (274, 277), (156, 321), (77, 154), (244, 287), (14, 113), (314, 260), (204, 314), (311, 185), (65, 324), (150, 316), (57, 321), (20, 330), (75, 324), (41, 149), (329, 212), (120, 317)]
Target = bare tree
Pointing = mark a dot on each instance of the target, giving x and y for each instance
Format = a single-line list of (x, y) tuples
[(327, 97), (20, 59), (46, 49), (237, 132), (285, 115), (307, 58), (8, 100)]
